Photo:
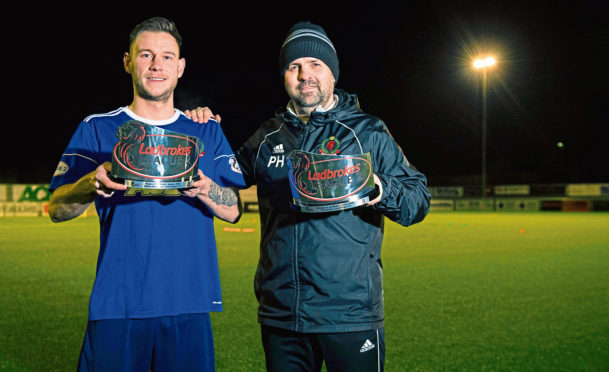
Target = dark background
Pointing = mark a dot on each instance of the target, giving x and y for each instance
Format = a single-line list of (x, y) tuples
[(410, 65)]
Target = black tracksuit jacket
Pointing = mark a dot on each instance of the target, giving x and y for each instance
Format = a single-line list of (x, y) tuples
[(323, 272)]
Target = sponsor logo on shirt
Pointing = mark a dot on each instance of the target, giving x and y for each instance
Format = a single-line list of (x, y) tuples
[(277, 160), (278, 149)]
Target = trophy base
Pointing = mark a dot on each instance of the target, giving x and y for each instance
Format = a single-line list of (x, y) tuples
[(158, 184), (348, 204)]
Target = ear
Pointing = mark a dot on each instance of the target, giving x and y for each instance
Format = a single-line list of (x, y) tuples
[(181, 67), (127, 62)]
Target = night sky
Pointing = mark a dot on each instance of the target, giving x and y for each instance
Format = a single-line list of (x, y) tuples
[(410, 65)]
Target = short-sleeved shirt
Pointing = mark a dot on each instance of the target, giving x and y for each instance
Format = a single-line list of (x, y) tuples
[(157, 253)]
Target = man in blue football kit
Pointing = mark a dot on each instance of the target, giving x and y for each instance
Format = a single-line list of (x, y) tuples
[(157, 273)]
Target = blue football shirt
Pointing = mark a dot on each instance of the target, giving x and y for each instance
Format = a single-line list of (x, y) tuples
[(157, 253)]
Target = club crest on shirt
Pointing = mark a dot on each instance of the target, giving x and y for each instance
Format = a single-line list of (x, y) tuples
[(330, 146)]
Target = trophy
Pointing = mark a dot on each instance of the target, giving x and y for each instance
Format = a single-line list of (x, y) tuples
[(325, 183), (150, 157)]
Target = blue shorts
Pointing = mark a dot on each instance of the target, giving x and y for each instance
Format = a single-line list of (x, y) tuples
[(168, 343), (285, 350)]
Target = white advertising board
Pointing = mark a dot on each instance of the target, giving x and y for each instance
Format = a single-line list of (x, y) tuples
[(588, 189), (446, 192), (442, 205), (475, 204), (512, 190)]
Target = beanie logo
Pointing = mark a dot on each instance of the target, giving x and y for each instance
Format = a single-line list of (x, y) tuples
[(330, 146)]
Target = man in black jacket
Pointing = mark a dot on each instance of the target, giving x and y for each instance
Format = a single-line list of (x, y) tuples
[(319, 277)]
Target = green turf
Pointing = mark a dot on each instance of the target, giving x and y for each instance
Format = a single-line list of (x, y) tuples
[(463, 292)]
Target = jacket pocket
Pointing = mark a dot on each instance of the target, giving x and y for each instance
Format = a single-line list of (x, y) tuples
[(375, 284)]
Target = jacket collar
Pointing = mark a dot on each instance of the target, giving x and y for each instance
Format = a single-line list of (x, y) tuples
[(333, 104)]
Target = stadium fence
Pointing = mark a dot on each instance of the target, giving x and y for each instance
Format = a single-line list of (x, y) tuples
[(32, 199)]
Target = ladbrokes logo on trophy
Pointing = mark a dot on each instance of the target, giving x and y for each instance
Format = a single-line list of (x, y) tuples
[(151, 157), (324, 183), (328, 174), (162, 150)]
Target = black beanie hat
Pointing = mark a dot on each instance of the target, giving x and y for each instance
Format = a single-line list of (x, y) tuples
[(306, 39)]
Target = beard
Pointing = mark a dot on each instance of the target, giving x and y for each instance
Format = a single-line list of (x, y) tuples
[(310, 99), (145, 94)]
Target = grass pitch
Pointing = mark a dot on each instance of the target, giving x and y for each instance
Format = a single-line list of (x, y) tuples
[(463, 292)]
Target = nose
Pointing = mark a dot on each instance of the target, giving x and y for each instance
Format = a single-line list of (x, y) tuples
[(155, 64), (303, 73)]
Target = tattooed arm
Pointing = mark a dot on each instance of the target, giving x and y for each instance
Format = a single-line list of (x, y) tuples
[(223, 202)]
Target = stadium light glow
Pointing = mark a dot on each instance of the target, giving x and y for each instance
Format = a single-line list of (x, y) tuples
[(483, 64)]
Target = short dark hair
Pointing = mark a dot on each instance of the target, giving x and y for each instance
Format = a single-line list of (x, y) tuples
[(156, 24)]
